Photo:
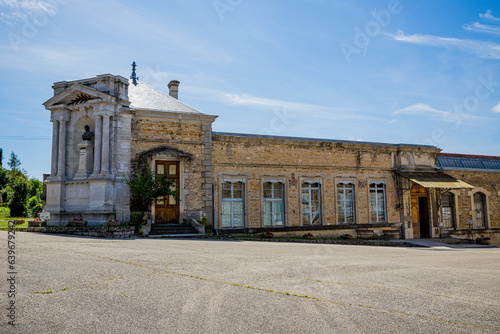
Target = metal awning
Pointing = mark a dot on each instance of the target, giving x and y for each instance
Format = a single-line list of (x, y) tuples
[(435, 180)]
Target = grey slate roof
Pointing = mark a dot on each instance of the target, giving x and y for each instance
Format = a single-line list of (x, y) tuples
[(316, 139), (145, 97)]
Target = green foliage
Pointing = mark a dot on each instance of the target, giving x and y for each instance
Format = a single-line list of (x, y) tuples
[(14, 162), (4, 178), (35, 188), (23, 196), (34, 206), (137, 219), (145, 187), (17, 195), (203, 221)]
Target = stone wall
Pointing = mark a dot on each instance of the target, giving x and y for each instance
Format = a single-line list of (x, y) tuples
[(177, 137), (255, 159), (487, 183)]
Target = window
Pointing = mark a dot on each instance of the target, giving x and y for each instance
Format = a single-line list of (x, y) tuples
[(345, 202), (233, 204), (377, 202), (480, 209), (447, 210), (311, 210), (273, 203)]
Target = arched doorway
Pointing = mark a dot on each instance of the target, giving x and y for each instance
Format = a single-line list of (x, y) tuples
[(419, 212)]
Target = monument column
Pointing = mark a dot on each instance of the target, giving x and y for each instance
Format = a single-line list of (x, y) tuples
[(55, 142), (105, 145), (61, 152), (98, 144)]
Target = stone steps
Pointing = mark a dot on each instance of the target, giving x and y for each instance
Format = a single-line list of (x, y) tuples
[(172, 229)]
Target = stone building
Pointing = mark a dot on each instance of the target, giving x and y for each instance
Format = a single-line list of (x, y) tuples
[(105, 128)]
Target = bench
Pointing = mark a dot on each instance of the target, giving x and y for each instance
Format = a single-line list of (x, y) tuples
[(391, 234), (365, 233)]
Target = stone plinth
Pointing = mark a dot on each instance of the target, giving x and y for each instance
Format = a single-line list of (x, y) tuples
[(85, 163)]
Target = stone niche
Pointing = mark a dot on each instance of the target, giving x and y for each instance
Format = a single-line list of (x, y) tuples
[(90, 127)]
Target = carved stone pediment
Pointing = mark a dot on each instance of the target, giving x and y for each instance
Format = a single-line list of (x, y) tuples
[(77, 95)]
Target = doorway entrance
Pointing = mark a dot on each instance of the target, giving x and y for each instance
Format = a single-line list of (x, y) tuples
[(419, 212), (167, 208)]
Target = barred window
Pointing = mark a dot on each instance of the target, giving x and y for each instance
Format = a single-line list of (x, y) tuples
[(480, 209), (447, 210)]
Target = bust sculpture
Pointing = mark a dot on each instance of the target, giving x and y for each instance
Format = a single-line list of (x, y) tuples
[(88, 135)]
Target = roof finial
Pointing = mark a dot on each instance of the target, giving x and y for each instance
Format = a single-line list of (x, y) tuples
[(133, 76)]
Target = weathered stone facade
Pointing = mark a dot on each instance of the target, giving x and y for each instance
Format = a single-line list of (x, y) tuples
[(250, 183), (185, 138), (487, 182)]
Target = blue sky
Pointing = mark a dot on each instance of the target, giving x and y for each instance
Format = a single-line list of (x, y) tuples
[(420, 72)]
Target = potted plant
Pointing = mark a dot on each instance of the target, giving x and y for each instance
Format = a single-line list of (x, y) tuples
[(346, 236), (113, 223), (37, 222), (18, 221), (308, 236), (483, 240), (267, 235), (77, 222)]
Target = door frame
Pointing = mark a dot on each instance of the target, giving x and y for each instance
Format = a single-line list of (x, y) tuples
[(181, 191), (416, 193)]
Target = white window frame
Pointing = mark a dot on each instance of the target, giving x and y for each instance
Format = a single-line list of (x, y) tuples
[(273, 202), (376, 190), (310, 188), (346, 185), (231, 201)]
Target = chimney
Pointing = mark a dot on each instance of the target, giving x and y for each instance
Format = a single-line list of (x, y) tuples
[(173, 89)]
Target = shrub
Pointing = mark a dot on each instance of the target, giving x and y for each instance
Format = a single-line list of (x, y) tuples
[(137, 219)]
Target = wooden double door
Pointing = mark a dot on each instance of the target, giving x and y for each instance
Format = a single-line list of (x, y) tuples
[(167, 208), (419, 212)]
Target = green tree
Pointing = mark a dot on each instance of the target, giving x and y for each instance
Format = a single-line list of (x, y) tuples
[(144, 188), (14, 162), (34, 202), (17, 196), (34, 206), (4, 179), (35, 187)]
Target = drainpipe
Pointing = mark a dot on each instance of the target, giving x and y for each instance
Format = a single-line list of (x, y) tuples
[(398, 206), (213, 209)]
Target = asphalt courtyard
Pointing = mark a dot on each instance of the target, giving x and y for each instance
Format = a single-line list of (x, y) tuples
[(92, 285)]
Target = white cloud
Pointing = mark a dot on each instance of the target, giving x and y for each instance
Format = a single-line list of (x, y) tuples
[(28, 5), (422, 110), (482, 28), (247, 99), (419, 108), (15, 11), (482, 49), (496, 108), (488, 16)]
